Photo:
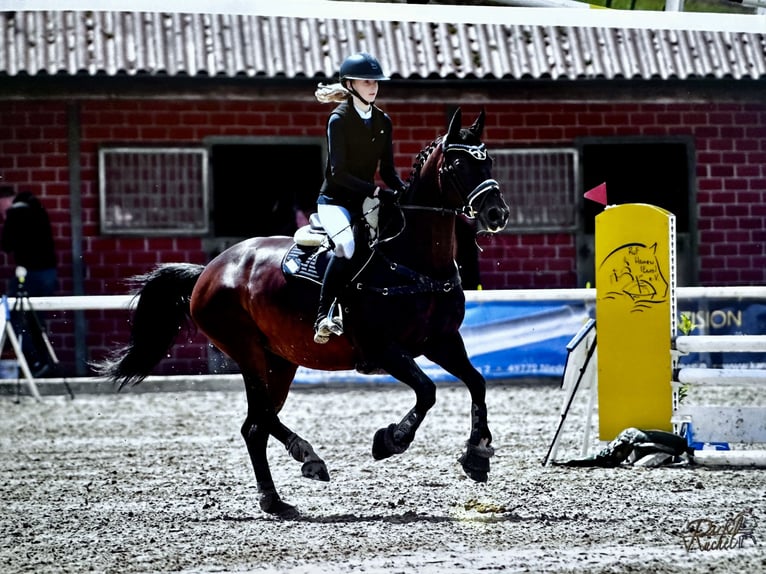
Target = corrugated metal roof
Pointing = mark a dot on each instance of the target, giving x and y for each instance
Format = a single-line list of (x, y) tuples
[(228, 45)]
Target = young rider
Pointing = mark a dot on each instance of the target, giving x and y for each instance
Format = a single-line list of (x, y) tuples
[(359, 144)]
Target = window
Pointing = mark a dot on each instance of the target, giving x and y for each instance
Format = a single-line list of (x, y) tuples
[(539, 186), (153, 191)]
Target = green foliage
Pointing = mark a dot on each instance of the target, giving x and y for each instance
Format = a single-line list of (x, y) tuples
[(682, 393), (719, 6), (686, 323)]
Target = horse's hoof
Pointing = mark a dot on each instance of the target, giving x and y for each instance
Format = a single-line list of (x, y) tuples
[(475, 461), (384, 443), (381, 443), (270, 503), (474, 474), (315, 470)]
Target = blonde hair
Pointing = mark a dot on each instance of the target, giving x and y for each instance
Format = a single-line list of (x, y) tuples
[(331, 93)]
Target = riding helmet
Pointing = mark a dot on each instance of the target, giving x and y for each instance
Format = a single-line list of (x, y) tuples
[(361, 66)]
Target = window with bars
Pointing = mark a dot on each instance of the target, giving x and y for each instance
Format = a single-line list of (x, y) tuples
[(539, 186), (153, 191)]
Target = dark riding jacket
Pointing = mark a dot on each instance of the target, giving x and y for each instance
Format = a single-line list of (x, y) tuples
[(356, 151), (27, 234)]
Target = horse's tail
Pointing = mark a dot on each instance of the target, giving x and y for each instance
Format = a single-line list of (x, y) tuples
[(161, 311)]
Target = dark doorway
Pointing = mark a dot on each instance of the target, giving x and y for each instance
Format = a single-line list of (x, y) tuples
[(259, 187), (656, 171)]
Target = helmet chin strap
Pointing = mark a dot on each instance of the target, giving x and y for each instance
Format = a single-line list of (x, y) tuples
[(356, 94)]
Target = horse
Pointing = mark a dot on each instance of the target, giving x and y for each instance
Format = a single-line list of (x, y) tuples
[(406, 301)]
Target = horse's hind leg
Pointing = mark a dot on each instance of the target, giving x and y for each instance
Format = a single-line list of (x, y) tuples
[(302, 451), (450, 354), (256, 431), (261, 422)]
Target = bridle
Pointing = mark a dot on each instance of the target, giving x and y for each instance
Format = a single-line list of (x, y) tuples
[(447, 174), (448, 181)]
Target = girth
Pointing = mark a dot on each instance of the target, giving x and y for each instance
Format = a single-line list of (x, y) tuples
[(420, 283)]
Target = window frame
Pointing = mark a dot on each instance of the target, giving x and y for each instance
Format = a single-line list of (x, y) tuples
[(200, 224), (570, 195)]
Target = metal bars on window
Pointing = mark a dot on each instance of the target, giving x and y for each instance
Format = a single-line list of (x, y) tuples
[(153, 191), (540, 187)]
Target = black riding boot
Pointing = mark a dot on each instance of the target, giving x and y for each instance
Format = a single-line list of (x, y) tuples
[(335, 278)]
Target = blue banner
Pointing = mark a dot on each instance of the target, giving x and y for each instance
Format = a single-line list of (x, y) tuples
[(725, 317), (504, 340)]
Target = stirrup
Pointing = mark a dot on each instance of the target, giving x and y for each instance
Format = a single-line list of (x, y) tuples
[(330, 324), (326, 327), (321, 333)]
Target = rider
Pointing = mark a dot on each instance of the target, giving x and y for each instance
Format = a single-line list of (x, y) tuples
[(359, 144)]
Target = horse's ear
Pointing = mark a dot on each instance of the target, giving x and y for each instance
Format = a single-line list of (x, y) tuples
[(478, 126), (454, 125)]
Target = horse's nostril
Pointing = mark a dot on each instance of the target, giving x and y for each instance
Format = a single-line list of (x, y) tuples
[(496, 215)]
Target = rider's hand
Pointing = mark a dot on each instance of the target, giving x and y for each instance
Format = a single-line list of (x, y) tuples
[(388, 195)]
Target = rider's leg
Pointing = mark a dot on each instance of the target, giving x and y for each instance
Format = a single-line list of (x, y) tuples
[(335, 278), (336, 221)]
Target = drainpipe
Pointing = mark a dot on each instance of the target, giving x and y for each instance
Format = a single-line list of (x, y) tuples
[(75, 219)]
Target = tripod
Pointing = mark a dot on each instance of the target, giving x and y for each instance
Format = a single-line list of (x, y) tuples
[(32, 335)]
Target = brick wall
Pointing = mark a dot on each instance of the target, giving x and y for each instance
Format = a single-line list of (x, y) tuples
[(730, 141)]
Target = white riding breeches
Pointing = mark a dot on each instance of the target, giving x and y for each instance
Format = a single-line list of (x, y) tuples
[(337, 222)]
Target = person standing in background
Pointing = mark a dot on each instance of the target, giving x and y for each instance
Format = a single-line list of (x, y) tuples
[(28, 238)]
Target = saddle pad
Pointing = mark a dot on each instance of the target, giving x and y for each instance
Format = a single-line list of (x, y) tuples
[(305, 263)]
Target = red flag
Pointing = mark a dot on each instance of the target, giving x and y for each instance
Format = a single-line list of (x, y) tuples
[(597, 194)]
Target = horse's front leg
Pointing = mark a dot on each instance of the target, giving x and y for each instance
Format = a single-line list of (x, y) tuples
[(396, 438), (450, 354)]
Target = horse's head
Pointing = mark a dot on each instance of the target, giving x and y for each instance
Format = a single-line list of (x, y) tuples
[(465, 176)]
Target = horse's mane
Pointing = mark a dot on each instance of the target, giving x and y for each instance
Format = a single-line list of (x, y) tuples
[(466, 136), (420, 160)]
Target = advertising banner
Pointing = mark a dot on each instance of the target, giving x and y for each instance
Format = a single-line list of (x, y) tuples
[(724, 317), (504, 340)]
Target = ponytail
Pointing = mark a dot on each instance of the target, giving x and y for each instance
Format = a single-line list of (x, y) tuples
[(331, 93)]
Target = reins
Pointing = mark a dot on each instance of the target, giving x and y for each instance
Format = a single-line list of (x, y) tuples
[(419, 282)]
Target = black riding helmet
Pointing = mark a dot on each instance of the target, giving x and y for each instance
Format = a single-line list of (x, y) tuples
[(361, 66)]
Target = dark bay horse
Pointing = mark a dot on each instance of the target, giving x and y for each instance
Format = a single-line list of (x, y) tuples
[(405, 302)]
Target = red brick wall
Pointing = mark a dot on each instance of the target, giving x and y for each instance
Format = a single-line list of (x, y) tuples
[(730, 140), (730, 143)]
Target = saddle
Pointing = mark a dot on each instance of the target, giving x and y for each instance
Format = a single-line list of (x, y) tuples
[(310, 253)]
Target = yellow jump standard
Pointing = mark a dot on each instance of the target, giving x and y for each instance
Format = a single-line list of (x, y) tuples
[(635, 317)]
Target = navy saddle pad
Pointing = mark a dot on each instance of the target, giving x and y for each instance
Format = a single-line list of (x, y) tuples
[(306, 262)]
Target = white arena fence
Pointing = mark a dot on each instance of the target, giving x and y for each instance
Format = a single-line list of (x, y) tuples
[(712, 429), (477, 340)]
